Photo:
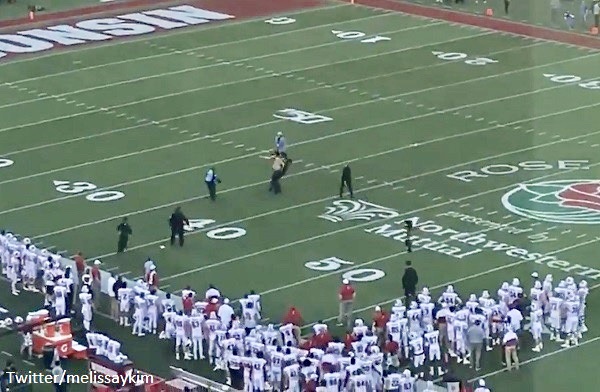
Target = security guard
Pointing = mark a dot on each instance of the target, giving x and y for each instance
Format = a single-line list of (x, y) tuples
[(346, 181), (280, 145), (211, 181), (124, 232), (177, 221), (278, 166)]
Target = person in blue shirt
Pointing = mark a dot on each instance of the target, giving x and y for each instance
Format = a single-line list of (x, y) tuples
[(211, 181), (280, 145)]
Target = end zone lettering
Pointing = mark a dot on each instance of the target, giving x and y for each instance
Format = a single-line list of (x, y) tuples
[(104, 29), (502, 169)]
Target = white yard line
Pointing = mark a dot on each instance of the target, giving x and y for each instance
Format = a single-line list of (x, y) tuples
[(154, 208), (351, 131), (191, 69), (169, 34), (227, 84)]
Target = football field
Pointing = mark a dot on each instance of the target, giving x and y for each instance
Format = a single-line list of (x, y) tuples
[(486, 140)]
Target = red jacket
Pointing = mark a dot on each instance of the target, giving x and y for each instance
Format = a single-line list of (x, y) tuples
[(293, 316)]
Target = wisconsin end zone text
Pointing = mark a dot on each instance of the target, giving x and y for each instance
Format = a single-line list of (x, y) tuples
[(105, 29)]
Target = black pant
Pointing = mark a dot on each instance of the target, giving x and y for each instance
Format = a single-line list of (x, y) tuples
[(409, 294), (506, 5), (177, 233), (60, 387), (122, 245), (348, 184), (275, 185), (212, 189), (288, 163)]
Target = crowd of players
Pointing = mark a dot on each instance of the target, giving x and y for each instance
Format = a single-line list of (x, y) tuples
[(421, 334)]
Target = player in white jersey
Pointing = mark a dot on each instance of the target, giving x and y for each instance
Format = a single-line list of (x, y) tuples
[(376, 358), (582, 293), (85, 298), (408, 382), (30, 269), (255, 299), (427, 309), (460, 346), (472, 304), (393, 328), (259, 373), (399, 308), (571, 306), (537, 317), (360, 383), (152, 311), (139, 315), (212, 326), (250, 316), (424, 296), (432, 343), (393, 382), (417, 351), (333, 382), (554, 318), (291, 380), (287, 335), (536, 294), (169, 331), (14, 271), (270, 335), (27, 342), (414, 318), (359, 329), (180, 321), (450, 297), (124, 295), (514, 290), (497, 324), (60, 300), (503, 294), (276, 368), (197, 336)]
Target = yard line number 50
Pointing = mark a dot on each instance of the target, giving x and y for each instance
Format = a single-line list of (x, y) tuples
[(334, 263), (455, 56)]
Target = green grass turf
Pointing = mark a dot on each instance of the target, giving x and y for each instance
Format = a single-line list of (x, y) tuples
[(175, 105), (19, 9)]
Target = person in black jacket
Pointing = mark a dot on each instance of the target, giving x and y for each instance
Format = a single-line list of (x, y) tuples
[(177, 221), (409, 282), (346, 181)]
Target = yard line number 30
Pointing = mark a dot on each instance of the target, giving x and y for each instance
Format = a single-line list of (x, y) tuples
[(78, 187), (331, 264)]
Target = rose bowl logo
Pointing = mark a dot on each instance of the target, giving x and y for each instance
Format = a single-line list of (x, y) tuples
[(564, 201)]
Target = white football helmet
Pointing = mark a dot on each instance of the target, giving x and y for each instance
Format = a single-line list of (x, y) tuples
[(537, 285), (516, 282), (429, 328), (472, 298), (548, 278), (534, 306), (412, 335), (413, 305), (485, 294), (569, 280), (359, 323), (450, 289), (583, 284), (26, 241), (425, 291)]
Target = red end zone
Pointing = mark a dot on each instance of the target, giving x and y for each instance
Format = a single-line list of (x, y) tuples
[(241, 9), (486, 22)]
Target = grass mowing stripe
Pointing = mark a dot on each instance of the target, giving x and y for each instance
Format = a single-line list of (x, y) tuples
[(159, 97), (191, 69), (118, 130), (313, 170), (351, 131), (469, 277), (171, 34)]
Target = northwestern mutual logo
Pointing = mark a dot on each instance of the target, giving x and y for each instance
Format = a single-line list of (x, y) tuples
[(344, 210)]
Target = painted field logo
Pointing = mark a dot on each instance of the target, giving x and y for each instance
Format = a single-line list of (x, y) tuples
[(564, 201)]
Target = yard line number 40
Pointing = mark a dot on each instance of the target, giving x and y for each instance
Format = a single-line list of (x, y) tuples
[(455, 56), (331, 264)]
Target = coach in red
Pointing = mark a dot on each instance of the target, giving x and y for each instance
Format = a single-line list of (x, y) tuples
[(346, 296)]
